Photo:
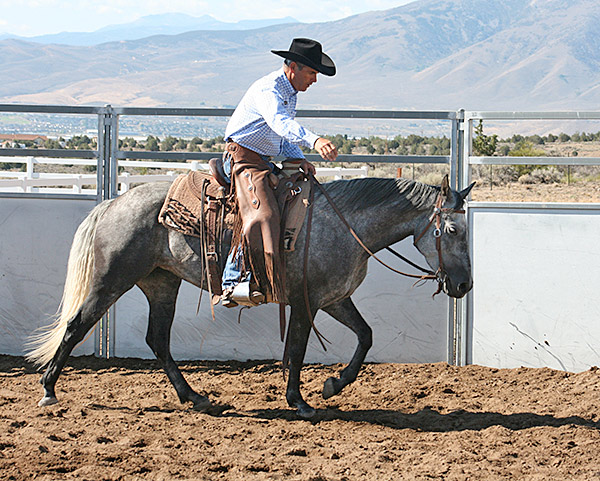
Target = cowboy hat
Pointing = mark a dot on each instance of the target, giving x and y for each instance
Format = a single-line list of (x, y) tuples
[(310, 53)]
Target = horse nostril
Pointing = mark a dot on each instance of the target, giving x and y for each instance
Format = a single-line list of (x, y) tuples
[(464, 287)]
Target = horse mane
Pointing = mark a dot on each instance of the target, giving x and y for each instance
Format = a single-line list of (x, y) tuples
[(362, 193)]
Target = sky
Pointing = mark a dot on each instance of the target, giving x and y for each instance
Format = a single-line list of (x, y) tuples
[(29, 18)]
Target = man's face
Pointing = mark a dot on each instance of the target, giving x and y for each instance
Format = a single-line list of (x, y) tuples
[(303, 78)]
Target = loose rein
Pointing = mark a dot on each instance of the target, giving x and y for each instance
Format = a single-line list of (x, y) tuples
[(436, 216)]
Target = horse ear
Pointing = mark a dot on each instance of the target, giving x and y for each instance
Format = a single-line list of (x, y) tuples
[(465, 192), (445, 187)]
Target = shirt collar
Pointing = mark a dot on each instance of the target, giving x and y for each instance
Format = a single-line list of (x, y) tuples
[(286, 85)]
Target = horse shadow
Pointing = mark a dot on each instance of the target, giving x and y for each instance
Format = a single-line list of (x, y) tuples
[(430, 420)]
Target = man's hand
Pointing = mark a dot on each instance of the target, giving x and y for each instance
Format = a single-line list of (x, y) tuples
[(307, 167), (326, 149)]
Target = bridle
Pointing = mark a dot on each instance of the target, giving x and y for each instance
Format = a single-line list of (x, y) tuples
[(436, 217)]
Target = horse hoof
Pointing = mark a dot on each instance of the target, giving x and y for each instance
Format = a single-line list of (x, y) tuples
[(329, 389), (202, 406), (306, 412), (47, 401)]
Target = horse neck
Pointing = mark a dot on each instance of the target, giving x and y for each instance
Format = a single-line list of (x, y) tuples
[(389, 220)]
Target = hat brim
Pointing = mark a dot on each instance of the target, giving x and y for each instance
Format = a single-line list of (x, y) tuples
[(326, 67)]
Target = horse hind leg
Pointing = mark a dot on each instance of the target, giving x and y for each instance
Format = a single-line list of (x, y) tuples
[(345, 312), (161, 288), (94, 306)]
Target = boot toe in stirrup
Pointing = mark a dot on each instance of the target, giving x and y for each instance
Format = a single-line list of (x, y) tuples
[(227, 301), (257, 297)]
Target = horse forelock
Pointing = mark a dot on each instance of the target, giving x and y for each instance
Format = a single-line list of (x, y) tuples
[(405, 194)]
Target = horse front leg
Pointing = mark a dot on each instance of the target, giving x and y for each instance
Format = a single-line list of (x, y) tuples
[(296, 341), (345, 311)]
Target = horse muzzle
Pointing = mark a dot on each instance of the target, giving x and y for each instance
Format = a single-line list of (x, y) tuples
[(456, 289)]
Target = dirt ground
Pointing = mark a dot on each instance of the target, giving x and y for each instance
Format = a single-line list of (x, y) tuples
[(121, 420)]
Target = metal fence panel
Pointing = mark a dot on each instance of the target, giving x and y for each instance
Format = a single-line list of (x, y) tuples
[(534, 300)]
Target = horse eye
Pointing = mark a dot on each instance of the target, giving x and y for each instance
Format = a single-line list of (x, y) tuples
[(451, 230)]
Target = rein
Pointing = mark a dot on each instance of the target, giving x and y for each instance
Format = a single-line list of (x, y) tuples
[(436, 216)]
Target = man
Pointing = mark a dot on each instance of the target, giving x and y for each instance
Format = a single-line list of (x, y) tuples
[(261, 127)]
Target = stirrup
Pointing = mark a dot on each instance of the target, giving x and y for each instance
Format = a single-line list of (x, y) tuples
[(226, 300), (245, 296)]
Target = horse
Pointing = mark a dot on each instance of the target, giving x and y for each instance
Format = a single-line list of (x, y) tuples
[(121, 244)]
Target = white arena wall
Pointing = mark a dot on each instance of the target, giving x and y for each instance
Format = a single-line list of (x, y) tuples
[(35, 238)]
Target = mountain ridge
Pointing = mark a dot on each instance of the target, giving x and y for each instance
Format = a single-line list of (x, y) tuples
[(426, 55)]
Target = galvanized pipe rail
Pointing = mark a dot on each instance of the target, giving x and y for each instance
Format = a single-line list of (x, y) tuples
[(108, 154)]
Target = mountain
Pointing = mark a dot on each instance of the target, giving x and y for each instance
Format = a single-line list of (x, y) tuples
[(162, 24), (427, 55)]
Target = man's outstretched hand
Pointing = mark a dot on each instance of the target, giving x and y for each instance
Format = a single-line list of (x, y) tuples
[(326, 149)]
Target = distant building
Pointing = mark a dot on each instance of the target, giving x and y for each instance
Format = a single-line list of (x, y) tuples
[(11, 138)]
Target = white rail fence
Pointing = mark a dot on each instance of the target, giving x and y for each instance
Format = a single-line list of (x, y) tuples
[(31, 181)]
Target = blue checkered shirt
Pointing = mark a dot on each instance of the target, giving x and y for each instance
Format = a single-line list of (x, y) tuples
[(264, 119)]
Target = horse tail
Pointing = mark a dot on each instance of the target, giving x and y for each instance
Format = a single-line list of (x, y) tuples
[(44, 344)]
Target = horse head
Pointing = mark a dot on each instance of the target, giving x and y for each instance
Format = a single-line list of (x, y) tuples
[(441, 235)]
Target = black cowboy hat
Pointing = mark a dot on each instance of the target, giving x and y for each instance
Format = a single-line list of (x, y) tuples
[(310, 53)]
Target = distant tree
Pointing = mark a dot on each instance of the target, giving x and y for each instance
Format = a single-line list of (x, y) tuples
[(168, 143), (79, 142), (346, 148), (564, 137), (484, 145), (535, 139), (52, 144), (525, 148), (181, 144), (503, 150), (194, 144), (152, 143)]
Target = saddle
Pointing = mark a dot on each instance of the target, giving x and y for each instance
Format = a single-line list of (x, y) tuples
[(200, 204)]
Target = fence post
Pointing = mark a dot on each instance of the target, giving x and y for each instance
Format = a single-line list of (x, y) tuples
[(106, 189), (124, 181), (461, 306), (29, 174)]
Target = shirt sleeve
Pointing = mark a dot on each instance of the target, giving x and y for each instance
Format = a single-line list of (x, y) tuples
[(291, 151), (282, 123)]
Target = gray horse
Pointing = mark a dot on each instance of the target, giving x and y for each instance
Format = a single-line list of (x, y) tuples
[(121, 244)]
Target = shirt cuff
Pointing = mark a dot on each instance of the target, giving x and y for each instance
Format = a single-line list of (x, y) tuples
[(311, 139)]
